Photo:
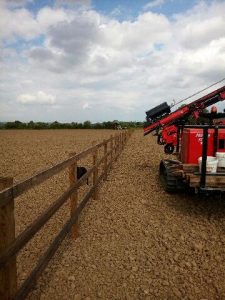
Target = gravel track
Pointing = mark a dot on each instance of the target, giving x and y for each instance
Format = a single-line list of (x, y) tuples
[(137, 242)]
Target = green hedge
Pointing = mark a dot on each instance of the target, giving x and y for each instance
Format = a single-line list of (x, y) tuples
[(73, 125)]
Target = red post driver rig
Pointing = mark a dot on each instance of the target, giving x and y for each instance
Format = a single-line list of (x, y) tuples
[(193, 142), (165, 123)]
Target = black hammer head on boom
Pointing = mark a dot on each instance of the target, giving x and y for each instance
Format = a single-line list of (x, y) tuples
[(157, 112)]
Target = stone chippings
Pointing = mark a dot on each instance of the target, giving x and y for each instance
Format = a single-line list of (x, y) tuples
[(136, 241)]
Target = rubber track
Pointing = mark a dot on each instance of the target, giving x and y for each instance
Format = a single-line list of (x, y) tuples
[(170, 182)]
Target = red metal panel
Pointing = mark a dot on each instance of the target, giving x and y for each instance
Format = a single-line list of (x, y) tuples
[(191, 144), (169, 135)]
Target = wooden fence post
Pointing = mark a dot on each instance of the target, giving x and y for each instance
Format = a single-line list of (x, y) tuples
[(106, 159), (114, 151), (119, 143), (111, 149), (123, 139), (116, 147), (95, 173), (8, 273), (74, 196)]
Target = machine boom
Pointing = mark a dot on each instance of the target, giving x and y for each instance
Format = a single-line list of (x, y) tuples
[(165, 122)]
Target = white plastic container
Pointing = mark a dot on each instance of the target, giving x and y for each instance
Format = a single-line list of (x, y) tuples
[(221, 159), (211, 164)]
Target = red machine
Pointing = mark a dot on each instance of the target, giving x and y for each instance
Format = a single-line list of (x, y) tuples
[(165, 124), (192, 142)]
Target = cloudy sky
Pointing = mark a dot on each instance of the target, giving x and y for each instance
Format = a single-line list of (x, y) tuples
[(77, 60)]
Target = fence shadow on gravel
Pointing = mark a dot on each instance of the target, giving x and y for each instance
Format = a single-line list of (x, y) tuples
[(11, 245)]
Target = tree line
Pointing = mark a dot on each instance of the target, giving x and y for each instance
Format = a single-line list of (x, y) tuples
[(73, 125)]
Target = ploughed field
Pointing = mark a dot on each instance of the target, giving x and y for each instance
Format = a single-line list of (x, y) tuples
[(136, 241)]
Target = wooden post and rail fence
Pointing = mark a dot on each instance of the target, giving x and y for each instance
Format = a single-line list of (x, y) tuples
[(10, 245)]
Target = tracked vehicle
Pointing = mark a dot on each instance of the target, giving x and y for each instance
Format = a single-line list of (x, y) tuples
[(194, 145)]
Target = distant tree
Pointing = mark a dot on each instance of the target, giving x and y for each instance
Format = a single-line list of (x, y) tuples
[(108, 125), (98, 126), (15, 125), (19, 125), (40, 125), (87, 125), (74, 125), (55, 125), (140, 124), (30, 125)]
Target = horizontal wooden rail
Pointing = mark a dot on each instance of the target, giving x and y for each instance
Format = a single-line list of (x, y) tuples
[(44, 260), (21, 187), (8, 252), (33, 228)]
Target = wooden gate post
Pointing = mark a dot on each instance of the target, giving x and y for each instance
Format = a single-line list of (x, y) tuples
[(106, 159), (74, 196), (8, 273), (95, 173)]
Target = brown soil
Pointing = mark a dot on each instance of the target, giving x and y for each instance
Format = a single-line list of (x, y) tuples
[(136, 241)]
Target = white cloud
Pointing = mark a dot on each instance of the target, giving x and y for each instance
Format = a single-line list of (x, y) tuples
[(21, 23), (137, 36), (86, 106), (153, 4), (101, 45), (199, 27), (18, 22), (39, 98), (119, 69), (47, 17)]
